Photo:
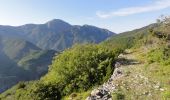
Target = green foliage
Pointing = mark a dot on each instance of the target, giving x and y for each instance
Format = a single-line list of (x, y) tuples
[(21, 85), (128, 39), (16, 48), (166, 95), (81, 67), (154, 56), (45, 92), (21, 60), (33, 91), (78, 95), (118, 96), (161, 55), (164, 28), (37, 62), (74, 70)]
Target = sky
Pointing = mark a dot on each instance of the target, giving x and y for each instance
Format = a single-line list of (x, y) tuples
[(115, 15)]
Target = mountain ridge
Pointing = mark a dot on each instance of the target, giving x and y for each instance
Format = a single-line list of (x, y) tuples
[(91, 65), (57, 34)]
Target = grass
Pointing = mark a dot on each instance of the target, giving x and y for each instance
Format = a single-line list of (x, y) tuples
[(78, 96), (143, 81)]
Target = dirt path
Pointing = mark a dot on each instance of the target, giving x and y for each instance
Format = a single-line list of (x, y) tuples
[(104, 91), (127, 78)]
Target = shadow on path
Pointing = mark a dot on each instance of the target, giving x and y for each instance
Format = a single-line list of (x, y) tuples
[(124, 61)]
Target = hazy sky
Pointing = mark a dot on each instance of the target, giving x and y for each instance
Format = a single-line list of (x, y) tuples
[(116, 15)]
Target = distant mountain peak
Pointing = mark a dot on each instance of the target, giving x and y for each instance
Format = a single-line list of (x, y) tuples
[(56, 20), (57, 23), (57, 34)]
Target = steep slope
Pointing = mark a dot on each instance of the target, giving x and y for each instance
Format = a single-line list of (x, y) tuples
[(57, 34), (16, 48), (142, 69), (128, 39), (119, 43), (143, 72), (21, 60), (74, 70), (135, 78), (22, 57), (9, 72)]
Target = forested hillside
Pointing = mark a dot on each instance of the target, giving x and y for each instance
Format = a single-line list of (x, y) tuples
[(141, 59), (75, 70), (27, 50), (21, 61)]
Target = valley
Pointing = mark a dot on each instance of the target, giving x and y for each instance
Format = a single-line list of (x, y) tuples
[(132, 65), (85, 50), (27, 51)]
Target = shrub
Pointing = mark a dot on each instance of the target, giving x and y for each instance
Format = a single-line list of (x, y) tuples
[(166, 95), (81, 67), (120, 96), (21, 85), (161, 55), (45, 92)]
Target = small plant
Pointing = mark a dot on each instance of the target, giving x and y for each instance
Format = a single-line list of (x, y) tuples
[(21, 85), (166, 95), (120, 96)]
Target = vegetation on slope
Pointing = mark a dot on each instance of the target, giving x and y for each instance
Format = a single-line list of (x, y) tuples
[(82, 67), (148, 79), (20, 60), (128, 39), (75, 70), (20, 54), (37, 63)]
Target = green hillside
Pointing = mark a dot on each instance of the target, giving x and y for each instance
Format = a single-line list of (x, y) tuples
[(27, 50), (21, 61), (143, 73), (145, 65), (75, 70), (16, 48)]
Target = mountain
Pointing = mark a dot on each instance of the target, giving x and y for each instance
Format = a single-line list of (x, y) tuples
[(21, 60), (128, 39), (56, 34), (139, 60), (27, 50)]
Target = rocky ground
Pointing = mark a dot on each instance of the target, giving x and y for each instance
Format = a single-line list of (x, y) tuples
[(104, 91), (128, 78)]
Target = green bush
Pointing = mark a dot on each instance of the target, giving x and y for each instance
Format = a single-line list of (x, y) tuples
[(166, 95), (75, 70), (81, 67), (120, 96), (21, 85), (45, 92), (161, 55)]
